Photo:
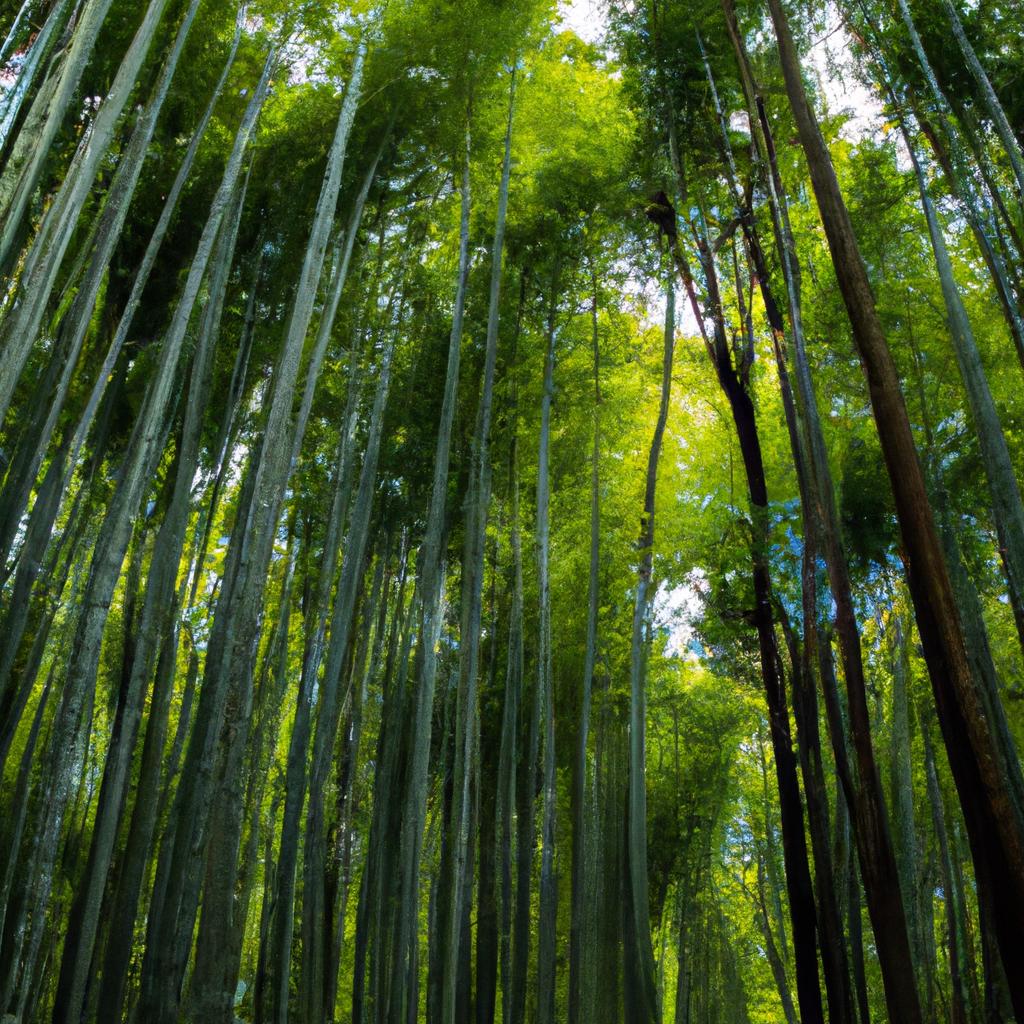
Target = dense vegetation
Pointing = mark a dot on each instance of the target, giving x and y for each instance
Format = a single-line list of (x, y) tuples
[(501, 526)]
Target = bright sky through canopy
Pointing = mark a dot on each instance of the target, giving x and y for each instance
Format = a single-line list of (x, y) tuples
[(585, 17)]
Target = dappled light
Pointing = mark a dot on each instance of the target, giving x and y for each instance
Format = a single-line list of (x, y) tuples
[(510, 512)]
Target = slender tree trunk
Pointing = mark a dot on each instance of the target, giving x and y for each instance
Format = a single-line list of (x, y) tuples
[(734, 381), (122, 902), (513, 937), (989, 99), (647, 1008), (873, 841), (431, 582), (296, 772), (775, 960), (962, 1009), (78, 944), (525, 850), (804, 662), (477, 504), (379, 865), (961, 181), (21, 606), (546, 922), (1007, 508), (488, 756), (315, 910), (580, 937), (278, 957)]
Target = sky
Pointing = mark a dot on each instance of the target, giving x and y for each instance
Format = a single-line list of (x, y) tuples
[(584, 17), (833, 65)]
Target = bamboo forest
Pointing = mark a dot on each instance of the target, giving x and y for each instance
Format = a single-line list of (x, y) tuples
[(511, 511)]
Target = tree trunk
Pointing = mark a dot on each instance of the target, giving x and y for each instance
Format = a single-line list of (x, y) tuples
[(314, 909), (1007, 508), (512, 937), (160, 585), (430, 587), (981, 764), (279, 962), (734, 381), (488, 755), (580, 937), (989, 99), (961, 181), (647, 1008), (546, 922), (805, 662)]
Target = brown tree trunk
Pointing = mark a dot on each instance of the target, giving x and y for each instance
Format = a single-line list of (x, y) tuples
[(980, 763), (734, 381)]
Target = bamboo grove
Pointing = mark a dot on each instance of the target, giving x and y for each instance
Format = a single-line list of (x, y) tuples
[(497, 525)]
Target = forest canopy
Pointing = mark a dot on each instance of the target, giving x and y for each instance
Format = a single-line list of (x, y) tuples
[(511, 512)]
